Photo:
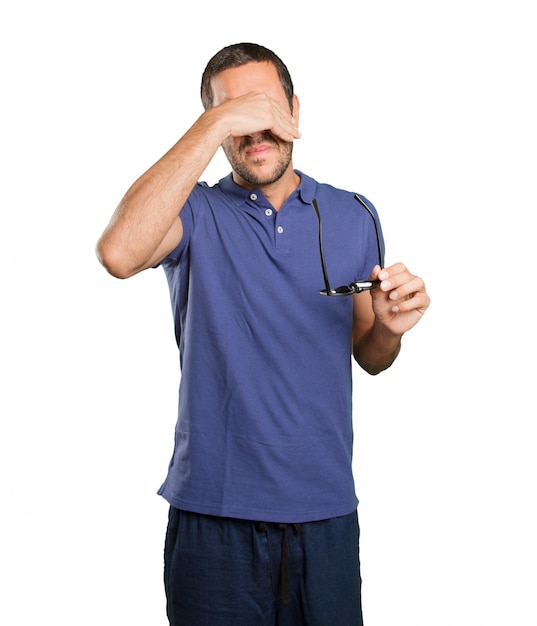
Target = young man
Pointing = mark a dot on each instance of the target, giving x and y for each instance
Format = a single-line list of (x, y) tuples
[(263, 527)]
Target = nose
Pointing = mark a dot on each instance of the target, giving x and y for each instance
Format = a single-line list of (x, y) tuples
[(258, 136), (263, 136)]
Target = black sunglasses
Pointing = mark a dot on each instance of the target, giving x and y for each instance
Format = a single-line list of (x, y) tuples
[(358, 286)]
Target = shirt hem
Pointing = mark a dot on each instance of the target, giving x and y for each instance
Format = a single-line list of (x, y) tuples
[(258, 515)]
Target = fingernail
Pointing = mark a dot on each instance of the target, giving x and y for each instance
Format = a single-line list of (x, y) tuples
[(393, 295)]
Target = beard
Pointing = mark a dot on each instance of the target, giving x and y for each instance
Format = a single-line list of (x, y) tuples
[(247, 173)]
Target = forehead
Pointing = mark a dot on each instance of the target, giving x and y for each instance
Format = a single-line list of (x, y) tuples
[(237, 81)]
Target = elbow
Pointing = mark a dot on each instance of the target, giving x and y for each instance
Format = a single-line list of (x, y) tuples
[(377, 363), (373, 369), (113, 260)]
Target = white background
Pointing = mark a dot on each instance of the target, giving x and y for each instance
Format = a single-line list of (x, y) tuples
[(428, 108)]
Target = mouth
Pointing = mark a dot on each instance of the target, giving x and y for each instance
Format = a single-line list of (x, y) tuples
[(258, 147), (259, 150)]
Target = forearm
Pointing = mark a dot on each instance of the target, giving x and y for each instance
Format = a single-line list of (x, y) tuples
[(377, 349), (150, 207)]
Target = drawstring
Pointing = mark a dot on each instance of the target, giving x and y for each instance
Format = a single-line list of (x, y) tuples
[(284, 558)]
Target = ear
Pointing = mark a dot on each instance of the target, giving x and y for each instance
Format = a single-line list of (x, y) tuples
[(296, 109)]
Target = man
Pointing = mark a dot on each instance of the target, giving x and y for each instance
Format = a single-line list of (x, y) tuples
[(263, 525)]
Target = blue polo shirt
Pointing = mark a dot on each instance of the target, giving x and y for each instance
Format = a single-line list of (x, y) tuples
[(264, 428)]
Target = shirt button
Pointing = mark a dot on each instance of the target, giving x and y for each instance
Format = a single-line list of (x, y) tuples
[(280, 229), (253, 196), (268, 212)]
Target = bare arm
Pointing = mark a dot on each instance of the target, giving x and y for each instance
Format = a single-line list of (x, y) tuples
[(382, 316), (145, 226)]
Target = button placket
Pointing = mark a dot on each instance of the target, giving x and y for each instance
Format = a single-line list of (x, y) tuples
[(281, 240), (274, 217)]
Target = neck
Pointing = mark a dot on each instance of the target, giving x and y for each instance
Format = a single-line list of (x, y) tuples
[(277, 192)]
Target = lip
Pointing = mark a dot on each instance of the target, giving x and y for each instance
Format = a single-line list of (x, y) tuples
[(259, 150)]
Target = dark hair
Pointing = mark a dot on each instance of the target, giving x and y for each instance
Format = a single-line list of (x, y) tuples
[(239, 54)]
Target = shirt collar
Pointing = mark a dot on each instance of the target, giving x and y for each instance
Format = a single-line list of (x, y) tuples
[(305, 191)]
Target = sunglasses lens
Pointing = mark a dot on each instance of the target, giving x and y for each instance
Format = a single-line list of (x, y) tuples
[(338, 291)]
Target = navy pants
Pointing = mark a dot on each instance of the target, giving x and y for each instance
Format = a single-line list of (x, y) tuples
[(227, 572)]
